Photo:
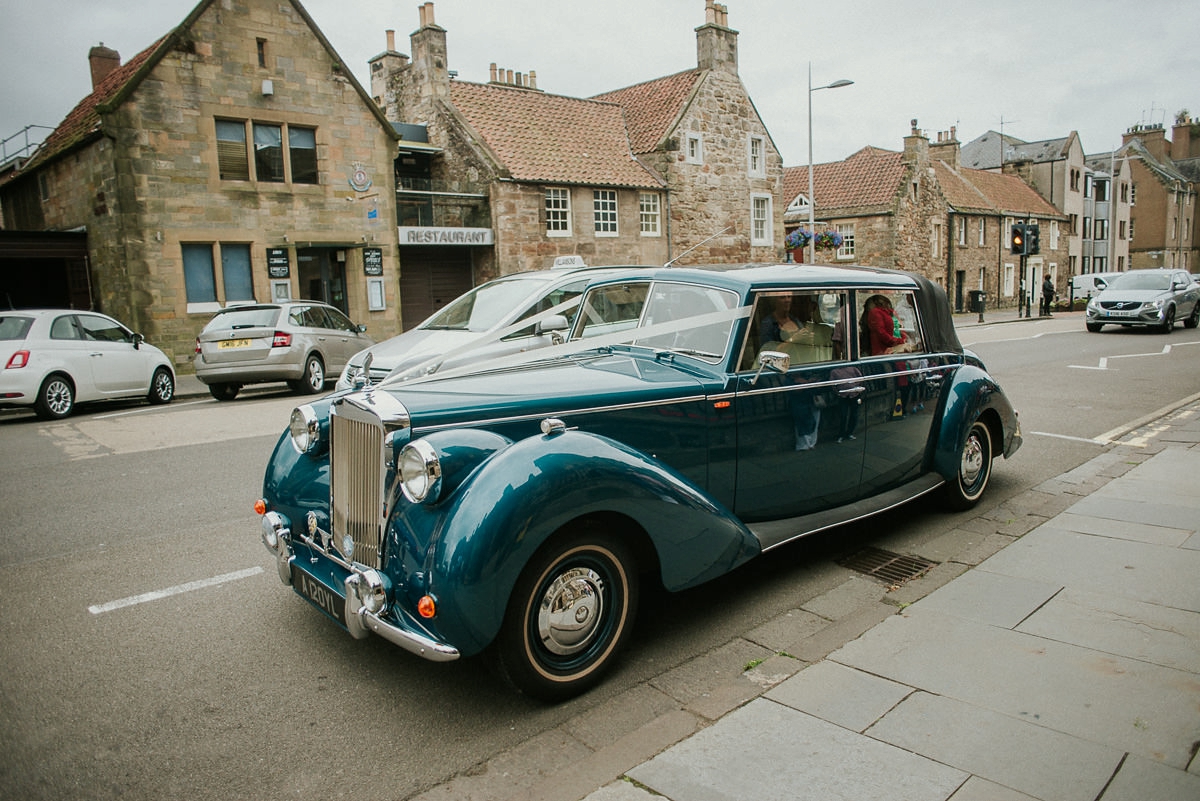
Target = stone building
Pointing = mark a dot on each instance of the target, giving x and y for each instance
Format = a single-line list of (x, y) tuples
[(1092, 191), (234, 160), (922, 211), (504, 176), (1166, 177)]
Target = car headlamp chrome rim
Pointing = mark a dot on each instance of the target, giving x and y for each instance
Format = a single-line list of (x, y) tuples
[(420, 472), (305, 429), (273, 527), (369, 588)]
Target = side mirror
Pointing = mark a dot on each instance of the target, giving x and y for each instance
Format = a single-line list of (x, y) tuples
[(138, 339), (555, 322), (361, 328), (774, 361)]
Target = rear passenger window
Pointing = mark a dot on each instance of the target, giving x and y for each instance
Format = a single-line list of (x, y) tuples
[(888, 323), (810, 327)]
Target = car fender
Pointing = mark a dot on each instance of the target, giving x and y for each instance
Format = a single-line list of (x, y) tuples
[(972, 393), (517, 498)]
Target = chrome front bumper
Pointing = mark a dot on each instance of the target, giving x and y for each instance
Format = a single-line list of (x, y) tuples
[(359, 621)]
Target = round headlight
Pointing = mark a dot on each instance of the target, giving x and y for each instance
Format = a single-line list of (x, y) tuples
[(273, 526), (420, 472), (305, 429)]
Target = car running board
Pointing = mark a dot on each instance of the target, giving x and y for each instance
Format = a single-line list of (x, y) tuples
[(773, 533)]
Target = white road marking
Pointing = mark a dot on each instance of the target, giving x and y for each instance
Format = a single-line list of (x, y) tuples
[(156, 595), (144, 409)]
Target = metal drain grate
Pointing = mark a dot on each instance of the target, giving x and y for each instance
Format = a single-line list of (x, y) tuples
[(890, 568)]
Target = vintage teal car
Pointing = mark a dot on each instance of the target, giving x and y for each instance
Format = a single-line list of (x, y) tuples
[(694, 419)]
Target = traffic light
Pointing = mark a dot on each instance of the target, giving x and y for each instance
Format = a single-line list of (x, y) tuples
[(1018, 240), (1032, 247)]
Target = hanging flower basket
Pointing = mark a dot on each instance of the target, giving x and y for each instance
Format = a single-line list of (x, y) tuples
[(797, 239), (828, 240)]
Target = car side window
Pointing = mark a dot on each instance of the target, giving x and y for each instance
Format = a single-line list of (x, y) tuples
[(64, 328), (339, 321), (888, 323), (609, 309), (101, 329), (548, 301), (810, 327)]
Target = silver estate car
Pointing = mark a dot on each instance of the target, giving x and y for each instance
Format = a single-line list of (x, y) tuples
[(301, 342), (482, 323), (1149, 298), (55, 358)]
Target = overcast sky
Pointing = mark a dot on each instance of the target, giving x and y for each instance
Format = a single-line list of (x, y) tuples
[(1040, 68)]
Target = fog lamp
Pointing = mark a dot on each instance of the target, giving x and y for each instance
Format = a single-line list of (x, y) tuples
[(369, 588), (273, 527)]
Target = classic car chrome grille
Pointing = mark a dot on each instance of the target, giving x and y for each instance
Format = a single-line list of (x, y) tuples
[(356, 485), (358, 428)]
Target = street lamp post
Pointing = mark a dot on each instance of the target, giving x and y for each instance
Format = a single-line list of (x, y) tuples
[(812, 200)]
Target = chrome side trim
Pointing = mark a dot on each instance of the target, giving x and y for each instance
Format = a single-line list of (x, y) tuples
[(559, 414)]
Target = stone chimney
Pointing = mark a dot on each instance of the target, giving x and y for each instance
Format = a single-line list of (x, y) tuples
[(1182, 145), (383, 66), (432, 76), (506, 77), (1152, 136), (916, 147), (102, 60), (716, 42), (947, 148)]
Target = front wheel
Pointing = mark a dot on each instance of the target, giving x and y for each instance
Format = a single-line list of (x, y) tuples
[(1095, 327), (569, 615), (1193, 319), (1168, 321), (974, 469), (162, 386), (314, 377)]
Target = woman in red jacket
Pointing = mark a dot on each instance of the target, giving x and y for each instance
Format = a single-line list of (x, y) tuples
[(883, 327)]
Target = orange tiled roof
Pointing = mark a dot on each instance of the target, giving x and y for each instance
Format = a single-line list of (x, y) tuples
[(870, 177), (652, 107), (552, 138), (83, 121), (1000, 193)]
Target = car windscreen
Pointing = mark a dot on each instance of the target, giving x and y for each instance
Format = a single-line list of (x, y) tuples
[(243, 318), (1152, 281), (483, 307), (14, 326)]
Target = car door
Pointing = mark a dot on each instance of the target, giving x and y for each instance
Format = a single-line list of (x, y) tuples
[(902, 385), (800, 440), (117, 367), (344, 338)]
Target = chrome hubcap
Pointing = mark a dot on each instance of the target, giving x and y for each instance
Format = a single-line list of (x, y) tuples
[(316, 376), (972, 462), (570, 611), (58, 397)]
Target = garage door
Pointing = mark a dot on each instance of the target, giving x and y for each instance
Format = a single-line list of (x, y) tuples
[(429, 279)]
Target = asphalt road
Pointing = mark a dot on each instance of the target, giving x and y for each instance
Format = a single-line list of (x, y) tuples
[(149, 650)]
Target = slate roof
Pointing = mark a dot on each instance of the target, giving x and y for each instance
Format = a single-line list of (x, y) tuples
[(869, 177), (983, 152), (1167, 171), (542, 137), (653, 107)]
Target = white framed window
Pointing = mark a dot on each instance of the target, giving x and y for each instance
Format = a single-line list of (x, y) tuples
[(558, 212), (846, 249), (982, 228), (650, 213), (1010, 271), (694, 149), (1054, 235), (761, 221), (604, 211), (1009, 222), (935, 249), (962, 230), (757, 157), (1100, 228)]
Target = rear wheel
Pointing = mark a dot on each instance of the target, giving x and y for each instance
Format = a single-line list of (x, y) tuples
[(55, 399), (314, 377), (569, 615), (974, 469), (162, 386), (224, 392)]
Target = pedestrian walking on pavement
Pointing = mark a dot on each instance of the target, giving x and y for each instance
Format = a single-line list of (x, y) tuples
[(1047, 296)]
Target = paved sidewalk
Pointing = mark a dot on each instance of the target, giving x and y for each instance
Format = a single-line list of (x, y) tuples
[(1064, 667)]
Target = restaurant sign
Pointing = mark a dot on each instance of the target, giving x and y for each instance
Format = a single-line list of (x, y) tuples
[(422, 235)]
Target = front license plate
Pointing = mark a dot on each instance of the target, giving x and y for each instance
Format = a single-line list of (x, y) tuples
[(1122, 314), (322, 597), (225, 344)]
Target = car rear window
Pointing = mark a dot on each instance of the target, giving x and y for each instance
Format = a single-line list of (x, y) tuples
[(14, 327), (243, 318)]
